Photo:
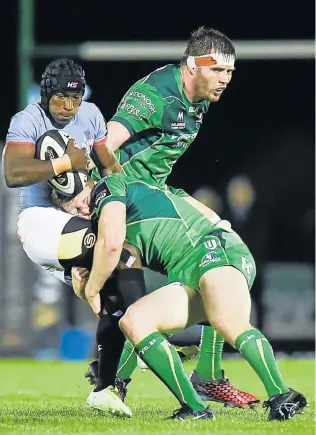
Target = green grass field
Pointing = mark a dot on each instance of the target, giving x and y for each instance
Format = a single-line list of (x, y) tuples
[(44, 398)]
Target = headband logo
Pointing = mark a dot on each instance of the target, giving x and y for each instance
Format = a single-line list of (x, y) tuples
[(72, 85)]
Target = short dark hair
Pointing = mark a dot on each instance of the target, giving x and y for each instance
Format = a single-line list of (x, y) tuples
[(206, 40)]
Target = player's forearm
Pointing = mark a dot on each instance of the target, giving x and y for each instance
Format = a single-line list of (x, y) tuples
[(105, 260), (28, 171), (108, 160)]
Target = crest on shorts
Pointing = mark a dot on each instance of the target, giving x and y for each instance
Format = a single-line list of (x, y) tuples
[(210, 257), (247, 266)]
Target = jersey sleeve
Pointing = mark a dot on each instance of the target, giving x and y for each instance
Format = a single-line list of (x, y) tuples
[(99, 126), (110, 188), (140, 109), (22, 129)]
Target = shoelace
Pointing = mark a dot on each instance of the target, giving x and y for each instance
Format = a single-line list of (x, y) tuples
[(287, 406)]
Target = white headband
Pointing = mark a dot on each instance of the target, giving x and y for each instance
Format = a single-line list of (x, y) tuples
[(211, 59)]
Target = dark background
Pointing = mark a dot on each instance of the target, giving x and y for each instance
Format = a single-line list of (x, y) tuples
[(263, 126)]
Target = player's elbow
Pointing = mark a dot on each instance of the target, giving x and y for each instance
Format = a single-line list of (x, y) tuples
[(13, 175), (11, 180), (111, 245)]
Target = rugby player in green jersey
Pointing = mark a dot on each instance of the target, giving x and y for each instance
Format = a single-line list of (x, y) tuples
[(210, 272), (156, 121)]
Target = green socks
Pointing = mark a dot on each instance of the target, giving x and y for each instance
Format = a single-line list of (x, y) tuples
[(128, 361), (209, 366), (164, 361), (256, 349)]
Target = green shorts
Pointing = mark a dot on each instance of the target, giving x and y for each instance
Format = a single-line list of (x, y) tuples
[(217, 249)]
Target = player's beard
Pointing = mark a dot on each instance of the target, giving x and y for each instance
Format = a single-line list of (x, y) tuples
[(203, 90)]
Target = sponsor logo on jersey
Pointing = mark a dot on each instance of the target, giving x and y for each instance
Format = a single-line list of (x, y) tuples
[(199, 118), (89, 240), (210, 257), (180, 116), (179, 125), (184, 136), (183, 140), (180, 145), (87, 141), (100, 196), (144, 101), (100, 192), (131, 109)]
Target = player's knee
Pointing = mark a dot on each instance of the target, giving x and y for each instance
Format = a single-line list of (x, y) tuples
[(134, 322), (230, 328), (128, 322)]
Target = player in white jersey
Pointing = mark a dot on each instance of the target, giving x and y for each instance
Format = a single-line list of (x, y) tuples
[(66, 243), (60, 108)]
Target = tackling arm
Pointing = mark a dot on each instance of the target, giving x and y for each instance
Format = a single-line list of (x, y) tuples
[(116, 136), (107, 251)]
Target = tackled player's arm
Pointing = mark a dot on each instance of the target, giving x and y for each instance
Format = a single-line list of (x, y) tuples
[(21, 168), (107, 251)]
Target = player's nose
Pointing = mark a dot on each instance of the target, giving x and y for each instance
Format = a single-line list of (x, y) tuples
[(68, 104)]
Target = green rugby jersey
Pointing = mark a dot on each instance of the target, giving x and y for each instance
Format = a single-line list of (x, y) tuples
[(163, 226), (162, 122)]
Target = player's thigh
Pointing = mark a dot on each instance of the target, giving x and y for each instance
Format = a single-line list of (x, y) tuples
[(197, 312), (227, 271), (225, 294), (227, 301), (166, 309)]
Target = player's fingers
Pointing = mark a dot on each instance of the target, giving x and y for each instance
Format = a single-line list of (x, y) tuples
[(75, 273), (85, 273)]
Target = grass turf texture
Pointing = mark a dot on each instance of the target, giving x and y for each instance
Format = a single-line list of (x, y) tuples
[(44, 398)]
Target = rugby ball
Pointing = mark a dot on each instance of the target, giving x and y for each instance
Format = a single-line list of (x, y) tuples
[(51, 145)]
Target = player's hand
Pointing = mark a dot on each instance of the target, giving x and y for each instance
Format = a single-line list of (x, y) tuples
[(80, 273), (79, 276), (78, 157), (93, 298)]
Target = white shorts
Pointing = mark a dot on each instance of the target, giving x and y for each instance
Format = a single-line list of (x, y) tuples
[(39, 230)]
